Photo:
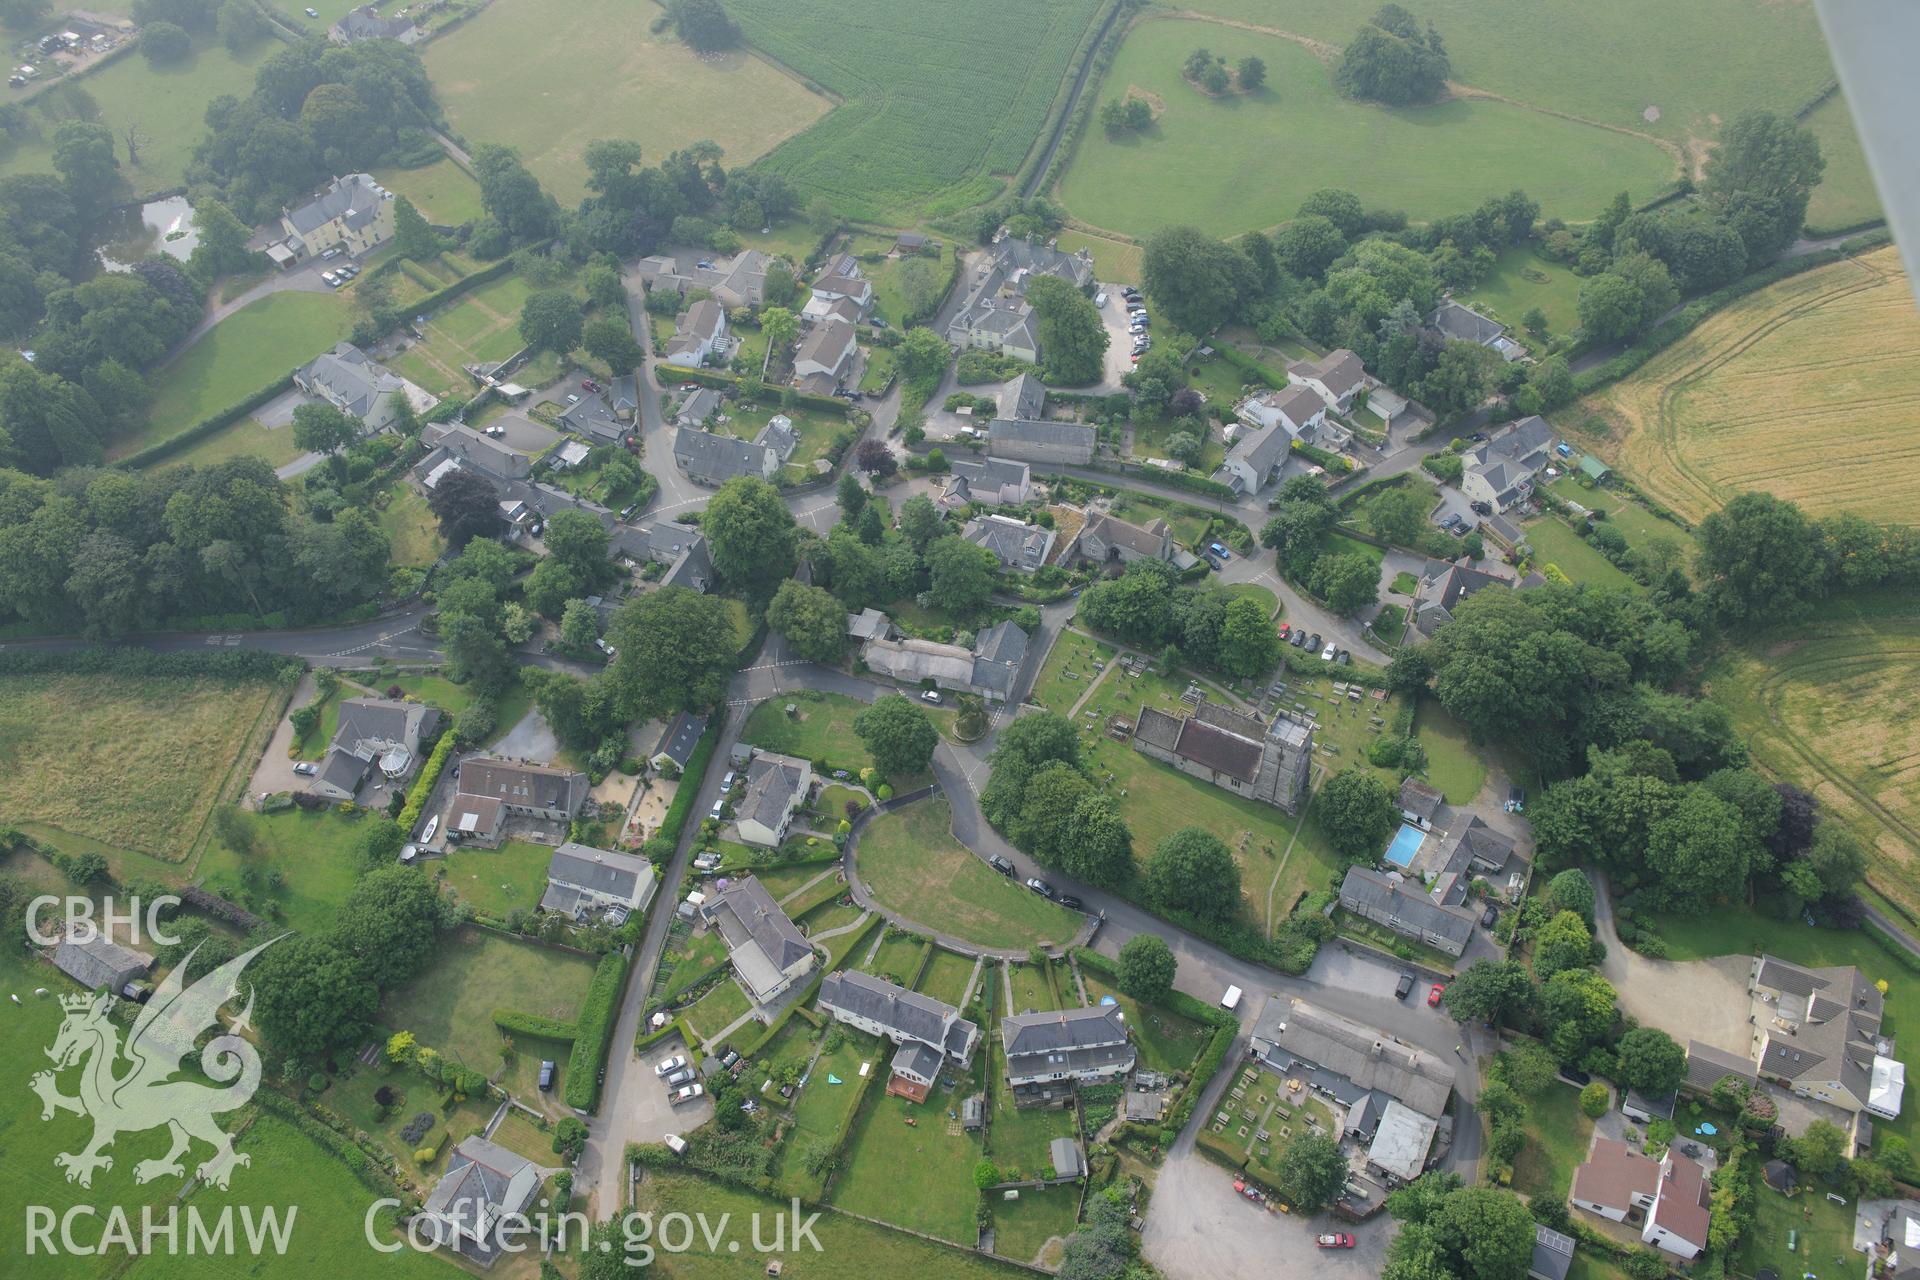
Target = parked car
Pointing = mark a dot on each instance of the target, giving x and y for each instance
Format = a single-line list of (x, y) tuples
[(332, 281), (573, 398), (1404, 987), (497, 431), (1286, 631), (719, 809), (1489, 918), (589, 384), (705, 265), (306, 769), (313, 13), (1314, 641), (708, 861), (726, 783), (689, 386), (1344, 658), (1040, 887), (1070, 902), (1434, 993), (1326, 654), (1220, 550), (1100, 298), (1000, 864), (1299, 640), (546, 1074), (1481, 508), (683, 1076), (688, 1093), (671, 1065), (930, 695), (1334, 1240)]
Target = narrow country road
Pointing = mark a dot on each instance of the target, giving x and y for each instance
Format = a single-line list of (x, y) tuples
[(1073, 101)]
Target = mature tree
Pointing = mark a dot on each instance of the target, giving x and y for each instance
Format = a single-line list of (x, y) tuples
[(1356, 811), (851, 496), (1249, 645), (1564, 942), (1022, 748), (1490, 991), (83, 156), (412, 237), (579, 626), (1761, 560), (241, 24), (1610, 308), (1391, 60), (1399, 515), (511, 195), (1529, 1068), (1192, 871), (310, 994), (392, 921), (1312, 1171), (1462, 377), (1146, 968), (897, 733), (579, 541), (466, 507), (1342, 208), (1571, 890), (1155, 381), (779, 325), (162, 42), (703, 24), (923, 357), (1576, 1008), (875, 458), (1760, 177), (1046, 822), (812, 620), (921, 522), (1302, 513), (1099, 845), (1250, 73), (1821, 1150), (222, 249), (550, 321), (960, 574), (1831, 867), (1073, 341), (1307, 246), (609, 339), (1198, 282), (675, 651), (1348, 582), (1651, 1061), (1699, 851), (751, 535), (321, 428)]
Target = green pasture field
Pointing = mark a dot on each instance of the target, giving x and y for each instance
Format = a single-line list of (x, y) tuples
[(262, 341), (1846, 195), (910, 862), (444, 193), (244, 439), (169, 102), (449, 1004), (938, 103), (947, 974), (1242, 161), (593, 70), (1114, 261), (316, 855)]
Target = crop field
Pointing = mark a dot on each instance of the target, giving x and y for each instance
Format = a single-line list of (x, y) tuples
[(938, 101), (442, 191), (1808, 389), (590, 69), (1234, 163), (132, 761), (1834, 705), (249, 349), (169, 102)]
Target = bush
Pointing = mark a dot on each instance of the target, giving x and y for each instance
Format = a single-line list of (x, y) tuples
[(594, 1028), (514, 1022), (1594, 1100)]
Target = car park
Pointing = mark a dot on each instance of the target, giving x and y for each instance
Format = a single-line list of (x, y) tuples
[(546, 1075), (688, 1093), (306, 769), (1000, 864), (1434, 993), (1404, 987), (671, 1065), (1040, 887)]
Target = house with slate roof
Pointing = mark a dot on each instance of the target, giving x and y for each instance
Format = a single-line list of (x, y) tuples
[(490, 791), (699, 332), (1343, 1060), (739, 281), (995, 315), (824, 357), (1016, 544), (1236, 751), (1023, 396), (930, 1033), (1552, 1255), (483, 1186), (713, 460), (991, 669), (676, 744), (767, 952), (1106, 538), (584, 882), (353, 214), (373, 731), (777, 785), (1457, 322), (1419, 803), (1029, 440), (359, 386), (593, 417), (365, 23), (1443, 585), (841, 280), (1337, 376), (1824, 1041), (1501, 471), (85, 954), (992, 482), (1050, 1052)]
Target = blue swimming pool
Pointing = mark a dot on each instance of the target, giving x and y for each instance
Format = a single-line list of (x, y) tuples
[(1406, 843)]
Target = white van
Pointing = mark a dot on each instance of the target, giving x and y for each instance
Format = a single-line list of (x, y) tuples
[(676, 1144), (1231, 1000), (1100, 298)]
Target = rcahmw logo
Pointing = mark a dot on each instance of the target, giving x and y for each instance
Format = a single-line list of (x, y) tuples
[(130, 1087)]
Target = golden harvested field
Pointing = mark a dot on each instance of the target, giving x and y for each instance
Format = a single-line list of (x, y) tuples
[(1808, 389), (134, 762), (1834, 705)]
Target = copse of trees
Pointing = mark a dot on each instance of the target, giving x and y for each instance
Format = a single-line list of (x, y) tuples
[(1126, 115), (703, 24), (1146, 606), (1392, 60)]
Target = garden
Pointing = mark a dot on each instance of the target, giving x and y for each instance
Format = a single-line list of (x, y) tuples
[(1558, 1135), (912, 1164), (1258, 1117), (495, 882), (909, 861), (449, 1004), (825, 1107)]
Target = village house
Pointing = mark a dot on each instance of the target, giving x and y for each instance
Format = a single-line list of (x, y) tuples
[(767, 952), (353, 214), (991, 482), (1022, 396), (675, 748), (591, 416), (1346, 1062), (1234, 750), (869, 624), (1389, 899), (1106, 538), (1552, 1255), (483, 1186), (841, 280), (1823, 1040), (1419, 803), (1443, 585), (1501, 472), (1015, 544), (373, 730), (697, 408), (1028, 440), (1457, 322), (777, 785), (1671, 1193), (699, 332), (85, 954), (452, 446), (683, 550), (1050, 1052), (989, 670), (929, 1033), (824, 357), (994, 315), (359, 386), (490, 791), (365, 23), (1338, 376), (739, 281), (713, 459), (1255, 458), (584, 882)]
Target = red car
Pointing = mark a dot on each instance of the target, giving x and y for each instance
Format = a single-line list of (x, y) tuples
[(589, 384), (1334, 1240), (1286, 629), (1434, 993)]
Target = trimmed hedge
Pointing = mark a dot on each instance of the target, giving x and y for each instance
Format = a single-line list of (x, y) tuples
[(689, 788), (531, 1024), (423, 785), (206, 426), (719, 380), (231, 664), (597, 1012)]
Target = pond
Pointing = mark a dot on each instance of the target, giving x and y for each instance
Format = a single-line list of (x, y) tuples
[(163, 225)]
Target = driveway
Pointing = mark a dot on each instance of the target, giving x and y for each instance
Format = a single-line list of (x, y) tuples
[(648, 1112), (1704, 1000), (274, 771), (531, 739), (525, 434)]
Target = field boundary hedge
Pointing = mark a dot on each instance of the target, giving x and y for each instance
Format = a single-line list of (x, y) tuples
[(206, 427), (532, 1024), (594, 1030)]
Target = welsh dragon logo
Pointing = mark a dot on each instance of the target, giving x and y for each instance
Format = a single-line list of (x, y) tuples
[(131, 1088)]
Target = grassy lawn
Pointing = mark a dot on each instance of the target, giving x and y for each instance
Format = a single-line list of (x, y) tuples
[(244, 439), (1114, 261), (1522, 280), (898, 958), (246, 351), (168, 101), (410, 527), (1140, 508), (1168, 1042), (1452, 763), (1635, 521), (352, 1095), (1555, 542), (947, 974), (822, 1109), (454, 698), (713, 1012), (1020, 1139), (687, 958), (449, 1004), (857, 1250), (1825, 1233), (1070, 670), (134, 761), (817, 431), (1845, 196), (1039, 989), (477, 328), (1029, 1229), (820, 729), (519, 1134), (495, 881), (911, 132), (911, 862), (1557, 1138), (650, 88), (879, 371), (791, 1046), (1189, 165), (1150, 437), (442, 191), (909, 1164), (316, 855)]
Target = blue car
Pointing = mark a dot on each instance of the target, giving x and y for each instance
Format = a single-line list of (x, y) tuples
[(1220, 551)]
